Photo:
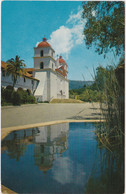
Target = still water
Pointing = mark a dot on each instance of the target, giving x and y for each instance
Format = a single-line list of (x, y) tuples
[(63, 158)]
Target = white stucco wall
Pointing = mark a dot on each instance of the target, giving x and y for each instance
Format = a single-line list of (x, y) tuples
[(41, 91), (62, 84), (47, 61), (27, 84), (47, 51), (67, 89), (53, 132), (53, 85)]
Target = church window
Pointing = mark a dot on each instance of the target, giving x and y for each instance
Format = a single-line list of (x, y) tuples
[(41, 53), (52, 65), (24, 79), (41, 65), (32, 81)]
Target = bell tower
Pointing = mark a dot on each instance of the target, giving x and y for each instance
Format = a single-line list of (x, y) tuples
[(44, 56)]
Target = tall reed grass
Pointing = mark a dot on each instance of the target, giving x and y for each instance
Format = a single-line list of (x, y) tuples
[(111, 134)]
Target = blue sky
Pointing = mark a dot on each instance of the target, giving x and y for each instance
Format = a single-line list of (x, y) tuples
[(24, 24)]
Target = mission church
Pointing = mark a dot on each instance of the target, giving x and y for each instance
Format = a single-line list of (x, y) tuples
[(47, 80)]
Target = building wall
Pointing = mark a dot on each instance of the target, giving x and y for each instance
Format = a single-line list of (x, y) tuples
[(47, 51), (48, 62), (26, 83), (58, 86), (62, 85), (53, 85), (50, 86), (51, 132), (41, 91)]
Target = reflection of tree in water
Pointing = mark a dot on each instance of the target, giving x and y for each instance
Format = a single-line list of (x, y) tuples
[(107, 176), (15, 144), (14, 148), (49, 140)]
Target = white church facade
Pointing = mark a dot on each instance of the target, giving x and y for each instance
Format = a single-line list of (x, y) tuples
[(48, 79)]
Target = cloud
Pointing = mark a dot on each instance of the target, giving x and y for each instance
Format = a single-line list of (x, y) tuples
[(68, 36), (61, 40), (73, 18), (37, 44), (64, 171)]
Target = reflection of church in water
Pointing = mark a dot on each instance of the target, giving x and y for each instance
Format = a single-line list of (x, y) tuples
[(49, 141)]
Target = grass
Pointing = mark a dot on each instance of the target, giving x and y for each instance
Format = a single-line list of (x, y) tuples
[(66, 101), (111, 135)]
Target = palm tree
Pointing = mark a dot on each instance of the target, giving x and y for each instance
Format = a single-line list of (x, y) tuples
[(15, 67)]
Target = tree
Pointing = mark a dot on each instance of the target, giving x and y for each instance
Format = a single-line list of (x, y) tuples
[(105, 25), (15, 68)]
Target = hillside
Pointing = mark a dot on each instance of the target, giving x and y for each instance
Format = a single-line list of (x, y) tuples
[(79, 84)]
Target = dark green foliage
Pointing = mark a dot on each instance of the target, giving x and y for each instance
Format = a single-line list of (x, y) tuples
[(31, 99), (3, 101), (29, 91), (10, 87), (15, 67), (16, 97), (105, 25), (20, 90), (112, 134), (6, 94), (86, 94), (43, 101), (107, 176)]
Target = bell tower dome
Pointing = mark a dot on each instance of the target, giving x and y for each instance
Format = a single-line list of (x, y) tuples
[(44, 56)]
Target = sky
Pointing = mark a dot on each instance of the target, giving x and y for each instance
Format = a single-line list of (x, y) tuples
[(25, 23)]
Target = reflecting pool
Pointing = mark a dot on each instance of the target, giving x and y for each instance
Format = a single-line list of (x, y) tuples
[(63, 158)]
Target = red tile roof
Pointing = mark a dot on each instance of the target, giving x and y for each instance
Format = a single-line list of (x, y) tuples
[(61, 60), (29, 69), (28, 74), (3, 64), (61, 70), (44, 43)]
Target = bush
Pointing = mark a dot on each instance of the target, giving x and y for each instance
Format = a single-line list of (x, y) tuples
[(24, 97), (16, 98), (20, 89), (28, 91), (3, 101), (31, 99), (7, 95), (10, 88)]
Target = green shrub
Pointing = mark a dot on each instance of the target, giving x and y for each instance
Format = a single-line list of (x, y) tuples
[(16, 98), (31, 99), (23, 95), (3, 101), (28, 91), (20, 89), (10, 88), (7, 95)]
